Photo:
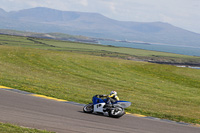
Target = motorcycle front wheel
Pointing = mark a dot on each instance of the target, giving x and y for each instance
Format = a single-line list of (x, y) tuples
[(116, 112), (88, 108)]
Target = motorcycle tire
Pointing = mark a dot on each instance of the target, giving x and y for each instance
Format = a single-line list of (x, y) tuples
[(88, 108), (116, 112)]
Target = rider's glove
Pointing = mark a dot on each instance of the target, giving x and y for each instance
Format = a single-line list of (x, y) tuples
[(102, 95)]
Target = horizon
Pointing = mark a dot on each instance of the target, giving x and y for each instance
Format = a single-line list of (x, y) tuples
[(180, 13), (97, 13)]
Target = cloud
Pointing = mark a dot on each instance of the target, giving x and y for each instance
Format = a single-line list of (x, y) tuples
[(84, 2)]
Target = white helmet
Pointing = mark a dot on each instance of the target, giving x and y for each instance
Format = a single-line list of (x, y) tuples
[(113, 92)]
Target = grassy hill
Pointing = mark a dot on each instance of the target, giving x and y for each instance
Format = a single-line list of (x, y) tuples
[(98, 50), (76, 72)]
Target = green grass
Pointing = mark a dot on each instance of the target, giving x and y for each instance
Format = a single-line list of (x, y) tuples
[(9, 128), (98, 50), (162, 91)]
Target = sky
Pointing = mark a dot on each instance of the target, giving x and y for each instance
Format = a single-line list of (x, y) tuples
[(181, 13)]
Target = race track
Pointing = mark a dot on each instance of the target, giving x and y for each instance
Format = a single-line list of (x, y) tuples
[(35, 112)]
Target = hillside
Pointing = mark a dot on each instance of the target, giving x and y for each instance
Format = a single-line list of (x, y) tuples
[(72, 71), (100, 50), (47, 20)]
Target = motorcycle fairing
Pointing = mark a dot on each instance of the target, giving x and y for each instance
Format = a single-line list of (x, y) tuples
[(97, 100), (98, 107), (98, 104)]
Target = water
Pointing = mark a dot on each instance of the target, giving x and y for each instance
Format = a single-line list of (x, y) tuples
[(190, 67), (192, 51), (195, 67)]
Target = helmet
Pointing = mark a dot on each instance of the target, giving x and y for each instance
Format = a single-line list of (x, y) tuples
[(113, 92)]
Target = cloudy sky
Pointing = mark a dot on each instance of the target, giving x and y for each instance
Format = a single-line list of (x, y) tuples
[(182, 13)]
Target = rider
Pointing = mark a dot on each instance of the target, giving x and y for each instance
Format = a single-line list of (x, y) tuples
[(111, 98)]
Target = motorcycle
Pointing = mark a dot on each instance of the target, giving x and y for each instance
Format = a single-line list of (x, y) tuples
[(116, 109)]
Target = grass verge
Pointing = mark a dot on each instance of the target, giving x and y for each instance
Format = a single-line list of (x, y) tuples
[(9, 128)]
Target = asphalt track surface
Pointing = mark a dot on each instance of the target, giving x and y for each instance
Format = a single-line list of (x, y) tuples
[(35, 112)]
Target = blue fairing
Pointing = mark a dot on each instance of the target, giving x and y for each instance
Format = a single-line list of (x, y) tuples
[(98, 100)]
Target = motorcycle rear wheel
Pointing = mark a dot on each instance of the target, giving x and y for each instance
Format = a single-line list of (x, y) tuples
[(88, 108)]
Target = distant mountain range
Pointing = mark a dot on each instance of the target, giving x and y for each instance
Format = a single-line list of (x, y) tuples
[(45, 20)]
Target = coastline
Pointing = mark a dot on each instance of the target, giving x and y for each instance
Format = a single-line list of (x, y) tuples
[(187, 65)]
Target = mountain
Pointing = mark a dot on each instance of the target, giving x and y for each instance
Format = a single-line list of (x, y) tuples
[(45, 20), (2, 13)]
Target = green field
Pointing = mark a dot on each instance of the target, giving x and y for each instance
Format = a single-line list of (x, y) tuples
[(76, 72), (98, 50), (8, 128)]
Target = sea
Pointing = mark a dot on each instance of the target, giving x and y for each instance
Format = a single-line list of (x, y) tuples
[(184, 50)]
